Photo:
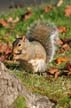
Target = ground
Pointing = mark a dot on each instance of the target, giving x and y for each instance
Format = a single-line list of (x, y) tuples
[(57, 89)]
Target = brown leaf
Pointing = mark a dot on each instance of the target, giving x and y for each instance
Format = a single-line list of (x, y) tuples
[(59, 42), (69, 94), (53, 70), (48, 9), (26, 16), (61, 50), (62, 29), (57, 74), (66, 47), (68, 11), (68, 66)]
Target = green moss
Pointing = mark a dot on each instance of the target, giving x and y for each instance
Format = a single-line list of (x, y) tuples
[(19, 103)]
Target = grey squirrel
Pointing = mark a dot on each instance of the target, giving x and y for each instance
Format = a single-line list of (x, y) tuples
[(38, 46)]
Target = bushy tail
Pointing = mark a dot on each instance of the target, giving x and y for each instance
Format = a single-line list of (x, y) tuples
[(46, 33), (53, 38)]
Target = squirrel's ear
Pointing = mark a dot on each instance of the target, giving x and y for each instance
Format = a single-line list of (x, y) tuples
[(23, 38)]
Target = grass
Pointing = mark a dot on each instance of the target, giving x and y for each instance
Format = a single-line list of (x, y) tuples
[(56, 90), (19, 103)]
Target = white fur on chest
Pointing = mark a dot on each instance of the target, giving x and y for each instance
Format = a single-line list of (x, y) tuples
[(39, 65)]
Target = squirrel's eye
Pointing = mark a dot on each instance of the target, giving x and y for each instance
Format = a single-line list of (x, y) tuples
[(19, 44)]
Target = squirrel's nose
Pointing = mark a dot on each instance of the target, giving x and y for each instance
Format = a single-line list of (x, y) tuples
[(19, 52)]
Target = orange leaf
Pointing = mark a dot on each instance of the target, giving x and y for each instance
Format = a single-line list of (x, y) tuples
[(61, 60), (62, 29), (67, 11), (3, 22)]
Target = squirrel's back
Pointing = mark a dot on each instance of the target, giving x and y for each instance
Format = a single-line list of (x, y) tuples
[(46, 34)]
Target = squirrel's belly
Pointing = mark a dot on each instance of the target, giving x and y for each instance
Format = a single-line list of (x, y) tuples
[(38, 65)]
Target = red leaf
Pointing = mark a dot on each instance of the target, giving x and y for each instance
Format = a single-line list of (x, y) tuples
[(68, 10), (8, 50), (5, 51), (3, 47), (2, 58)]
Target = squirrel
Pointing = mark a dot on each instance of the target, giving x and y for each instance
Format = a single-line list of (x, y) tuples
[(38, 47)]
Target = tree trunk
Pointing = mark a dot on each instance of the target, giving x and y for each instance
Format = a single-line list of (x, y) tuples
[(11, 88)]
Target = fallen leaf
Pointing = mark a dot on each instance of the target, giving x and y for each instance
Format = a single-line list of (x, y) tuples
[(60, 60), (26, 16), (59, 42), (66, 47), (69, 94), (47, 9), (62, 29), (68, 66), (3, 22), (11, 20), (59, 3), (5, 51), (53, 70), (2, 58), (3, 47), (57, 74), (67, 41), (68, 11), (61, 50), (8, 50)]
